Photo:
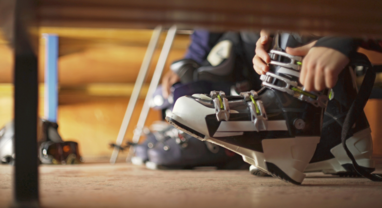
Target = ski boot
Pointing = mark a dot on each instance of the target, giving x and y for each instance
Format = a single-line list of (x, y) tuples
[(158, 133), (52, 149), (7, 155), (140, 150), (330, 156), (183, 151), (276, 129), (66, 152)]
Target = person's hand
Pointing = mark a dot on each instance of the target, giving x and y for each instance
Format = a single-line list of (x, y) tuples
[(261, 59), (168, 80), (320, 66)]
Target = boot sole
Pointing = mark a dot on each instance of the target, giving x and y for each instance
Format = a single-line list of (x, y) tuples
[(287, 164), (138, 161), (360, 145), (153, 166), (224, 166), (341, 165)]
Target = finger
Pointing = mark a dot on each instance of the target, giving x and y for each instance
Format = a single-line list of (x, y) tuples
[(330, 79), (255, 67), (309, 79), (166, 91), (174, 79), (319, 79), (304, 69), (262, 53), (257, 70), (259, 65), (300, 51)]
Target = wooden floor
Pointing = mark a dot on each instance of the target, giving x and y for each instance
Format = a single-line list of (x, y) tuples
[(124, 185)]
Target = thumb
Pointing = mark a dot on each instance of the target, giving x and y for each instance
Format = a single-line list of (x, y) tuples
[(300, 51)]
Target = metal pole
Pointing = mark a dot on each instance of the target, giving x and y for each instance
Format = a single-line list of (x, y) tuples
[(51, 77), (137, 88), (154, 84)]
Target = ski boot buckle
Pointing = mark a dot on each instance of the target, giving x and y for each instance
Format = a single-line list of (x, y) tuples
[(292, 88), (295, 61), (221, 105), (269, 78), (318, 100), (256, 107)]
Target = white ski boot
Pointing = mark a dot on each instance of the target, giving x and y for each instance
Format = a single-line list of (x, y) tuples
[(276, 129), (330, 156)]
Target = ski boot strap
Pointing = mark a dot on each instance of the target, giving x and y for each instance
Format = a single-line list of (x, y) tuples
[(318, 99), (356, 109)]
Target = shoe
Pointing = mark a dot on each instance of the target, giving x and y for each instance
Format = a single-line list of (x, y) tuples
[(330, 156), (140, 150), (7, 155), (59, 153), (159, 132), (275, 129), (51, 148), (183, 151)]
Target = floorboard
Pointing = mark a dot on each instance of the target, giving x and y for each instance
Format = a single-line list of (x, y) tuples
[(126, 185)]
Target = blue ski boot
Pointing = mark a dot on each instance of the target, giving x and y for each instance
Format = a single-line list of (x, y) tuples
[(158, 133), (183, 151)]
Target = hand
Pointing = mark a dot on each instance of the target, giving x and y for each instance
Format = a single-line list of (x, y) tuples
[(168, 80), (320, 66), (261, 59)]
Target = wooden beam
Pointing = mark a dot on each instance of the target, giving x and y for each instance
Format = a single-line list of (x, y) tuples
[(322, 17), (107, 54)]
